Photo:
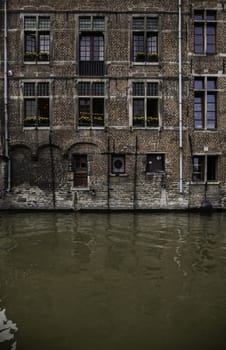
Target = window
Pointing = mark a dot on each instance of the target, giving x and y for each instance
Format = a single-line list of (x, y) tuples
[(91, 104), (91, 46), (205, 103), (36, 38), (36, 104), (205, 32), (118, 164), (155, 163), (145, 104), (205, 168), (145, 39), (80, 170)]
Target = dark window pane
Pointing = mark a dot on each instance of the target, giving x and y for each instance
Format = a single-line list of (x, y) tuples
[(152, 23), (43, 89), (85, 23), (44, 23), (152, 89), (211, 168), (199, 84), (30, 23), (29, 89), (44, 42), (98, 89), (98, 23), (211, 84), (199, 38), (98, 112), (85, 48), (30, 112), (152, 112), (210, 15), (138, 89), (138, 112), (155, 163), (198, 168), (138, 47), (198, 15), (30, 53), (92, 47), (152, 43), (43, 112), (84, 112), (138, 23), (199, 111), (84, 89)]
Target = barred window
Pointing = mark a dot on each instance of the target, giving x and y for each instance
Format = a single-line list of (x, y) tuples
[(145, 104), (205, 32), (91, 45), (91, 104), (36, 38), (36, 104), (205, 168), (205, 103), (145, 39), (91, 23)]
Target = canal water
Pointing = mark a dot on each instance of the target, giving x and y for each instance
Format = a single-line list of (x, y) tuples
[(105, 281)]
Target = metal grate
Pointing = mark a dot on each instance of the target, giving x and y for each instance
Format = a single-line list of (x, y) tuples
[(43, 89), (29, 89), (138, 89), (152, 89)]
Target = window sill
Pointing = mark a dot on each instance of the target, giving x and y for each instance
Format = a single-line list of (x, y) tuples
[(145, 127), (85, 189), (33, 62), (161, 173), (36, 127), (145, 63), (205, 54), (121, 175), (204, 130), (205, 183), (91, 127)]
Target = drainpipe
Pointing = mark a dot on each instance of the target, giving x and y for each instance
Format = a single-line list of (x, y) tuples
[(135, 178), (6, 132), (180, 95)]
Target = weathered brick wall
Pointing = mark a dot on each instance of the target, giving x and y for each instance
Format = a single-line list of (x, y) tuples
[(41, 173)]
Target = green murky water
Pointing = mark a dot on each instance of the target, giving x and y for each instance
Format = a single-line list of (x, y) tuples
[(112, 281)]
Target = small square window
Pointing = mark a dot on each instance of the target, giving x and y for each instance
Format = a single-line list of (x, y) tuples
[(118, 164), (155, 163)]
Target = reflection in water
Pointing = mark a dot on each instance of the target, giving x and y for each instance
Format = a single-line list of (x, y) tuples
[(7, 332), (106, 281)]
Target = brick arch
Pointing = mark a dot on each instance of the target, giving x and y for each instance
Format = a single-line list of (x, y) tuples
[(21, 168), (51, 167), (83, 147)]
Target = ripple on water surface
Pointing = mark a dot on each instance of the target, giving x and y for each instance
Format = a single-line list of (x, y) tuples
[(97, 281)]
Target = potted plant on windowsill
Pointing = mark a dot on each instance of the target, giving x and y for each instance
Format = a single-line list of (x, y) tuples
[(43, 56), (84, 120), (152, 121), (140, 57), (152, 57), (30, 56), (98, 120), (138, 120)]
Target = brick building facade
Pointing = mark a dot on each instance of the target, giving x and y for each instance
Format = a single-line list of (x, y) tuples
[(112, 104)]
